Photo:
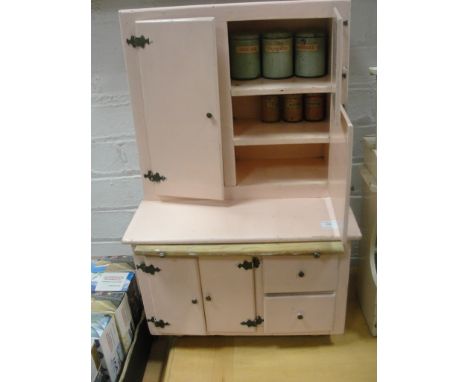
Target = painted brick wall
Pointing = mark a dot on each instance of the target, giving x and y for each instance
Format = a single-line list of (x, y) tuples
[(116, 184)]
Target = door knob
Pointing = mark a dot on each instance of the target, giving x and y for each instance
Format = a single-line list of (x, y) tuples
[(301, 274), (209, 115), (194, 301), (300, 316), (208, 298)]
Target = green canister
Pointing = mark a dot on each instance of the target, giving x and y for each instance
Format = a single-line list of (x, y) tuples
[(277, 55), (310, 57), (244, 53)]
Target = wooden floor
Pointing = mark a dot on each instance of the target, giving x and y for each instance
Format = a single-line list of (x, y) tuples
[(349, 357)]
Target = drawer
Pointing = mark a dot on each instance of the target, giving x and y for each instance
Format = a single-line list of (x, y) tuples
[(299, 314), (289, 274)]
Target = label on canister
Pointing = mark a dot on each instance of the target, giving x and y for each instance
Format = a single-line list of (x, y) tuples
[(247, 49), (303, 46), (277, 46)]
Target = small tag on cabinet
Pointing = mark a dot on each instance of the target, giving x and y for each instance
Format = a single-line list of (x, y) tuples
[(329, 224)]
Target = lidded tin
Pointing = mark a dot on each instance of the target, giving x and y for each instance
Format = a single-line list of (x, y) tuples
[(292, 107), (310, 53), (270, 108), (277, 55), (314, 107), (244, 55)]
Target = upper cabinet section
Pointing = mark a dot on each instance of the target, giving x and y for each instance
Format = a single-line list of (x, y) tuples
[(180, 106), (206, 130)]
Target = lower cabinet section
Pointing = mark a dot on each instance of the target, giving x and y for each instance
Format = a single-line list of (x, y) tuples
[(299, 314), (244, 295)]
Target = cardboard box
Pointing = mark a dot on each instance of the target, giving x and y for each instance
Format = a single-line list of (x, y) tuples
[(107, 281), (116, 304), (112, 264), (106, 339)]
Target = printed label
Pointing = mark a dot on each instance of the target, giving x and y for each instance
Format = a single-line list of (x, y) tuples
[(277, 47), (329, 224), (307, 47), (112, 282), (247, 49)]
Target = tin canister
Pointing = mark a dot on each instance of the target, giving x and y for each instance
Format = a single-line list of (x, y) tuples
[(277, 55), (310, 54), (292, 107), (244, 53), (314, 107), (270, 108)]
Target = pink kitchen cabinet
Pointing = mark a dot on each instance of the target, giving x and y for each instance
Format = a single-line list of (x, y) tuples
[(235, 210)]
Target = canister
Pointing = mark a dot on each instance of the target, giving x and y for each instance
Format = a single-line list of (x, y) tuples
[(270, 108), (314, 107), (277, 55), (310, 54), (244, 53), (292, 107)]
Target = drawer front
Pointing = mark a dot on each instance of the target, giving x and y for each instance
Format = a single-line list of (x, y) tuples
[(299, 314), (291, 274)]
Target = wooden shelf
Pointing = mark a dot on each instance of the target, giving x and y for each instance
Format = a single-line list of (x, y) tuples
[(293, 85), (249, 132), (295, 171)]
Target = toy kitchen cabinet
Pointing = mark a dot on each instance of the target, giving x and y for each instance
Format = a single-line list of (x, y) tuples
[(245, 226)]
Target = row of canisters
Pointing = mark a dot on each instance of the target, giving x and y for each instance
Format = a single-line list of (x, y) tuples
[(293, 107), (283, 55)]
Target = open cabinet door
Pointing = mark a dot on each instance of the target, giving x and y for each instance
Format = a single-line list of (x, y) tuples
[(341, 137), (179, 84)]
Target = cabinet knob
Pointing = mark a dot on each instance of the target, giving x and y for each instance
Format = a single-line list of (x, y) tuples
[(194, 301), (316, 254), (209, 115), (208, 298), (300, 316), (301, 274)]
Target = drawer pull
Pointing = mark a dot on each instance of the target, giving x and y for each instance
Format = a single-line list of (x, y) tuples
[(316, 254), (301, 274), (194, 301), (300, 316), (208, 298), (148, 268)]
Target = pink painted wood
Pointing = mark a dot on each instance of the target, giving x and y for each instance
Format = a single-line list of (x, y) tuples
[(181, 106), (299, 314), (300, 274), (229, 296), (169, 294)]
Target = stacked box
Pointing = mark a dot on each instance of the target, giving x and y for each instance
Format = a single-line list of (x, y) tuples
[(107, 344), (116, 304), (119, 282)]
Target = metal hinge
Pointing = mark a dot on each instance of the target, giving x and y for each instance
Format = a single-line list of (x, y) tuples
[(255, 263), (157, 177), (138, 41), (158, 323), (251, 323), (148, 268)]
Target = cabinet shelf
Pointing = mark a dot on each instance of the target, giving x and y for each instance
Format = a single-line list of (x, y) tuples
[(292, 171), (250, 132), (293, 85)]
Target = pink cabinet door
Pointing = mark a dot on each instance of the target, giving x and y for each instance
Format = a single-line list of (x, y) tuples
[(179, 83), (171, 293), (228, 292)]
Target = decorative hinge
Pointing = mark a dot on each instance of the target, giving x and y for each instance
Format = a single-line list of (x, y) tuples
[(251, 323), (158, 323), (255, 263), (155, 177), (148, 268), (138, 41)]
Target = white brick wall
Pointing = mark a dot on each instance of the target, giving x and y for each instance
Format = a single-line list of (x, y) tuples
[(116, 184)]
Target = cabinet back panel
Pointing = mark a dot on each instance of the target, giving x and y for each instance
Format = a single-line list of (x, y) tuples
[(281, 151)]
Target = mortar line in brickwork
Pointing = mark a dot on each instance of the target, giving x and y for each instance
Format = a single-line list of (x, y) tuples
[(114, 175), (116, 209), (98, 179), (124, 138)]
